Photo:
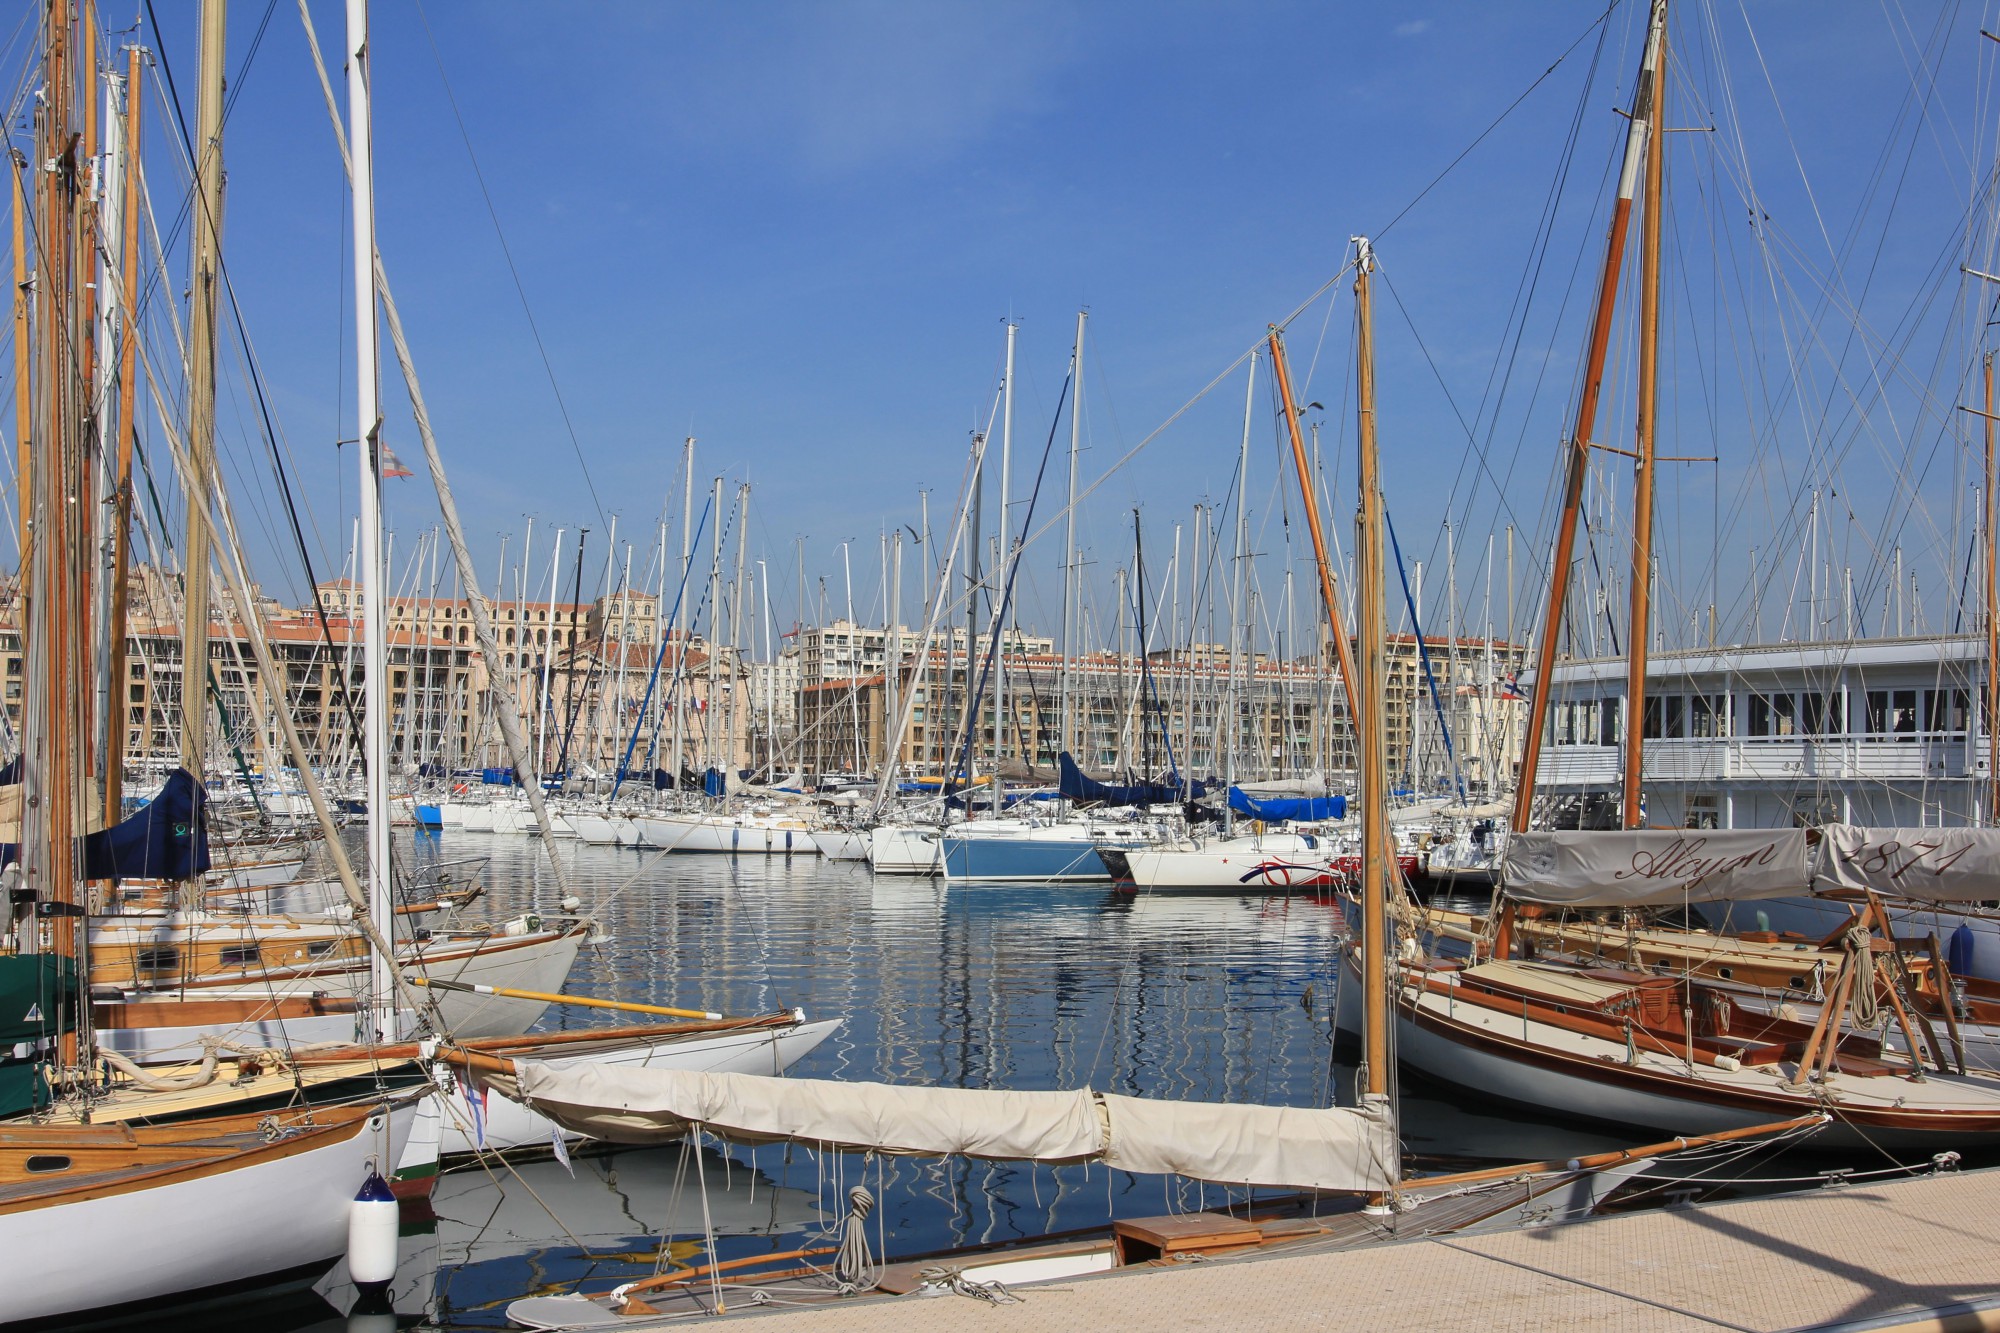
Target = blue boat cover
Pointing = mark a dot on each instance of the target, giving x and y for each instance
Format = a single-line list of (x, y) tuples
[(166, 839), (1280, 808), (1077, 787)]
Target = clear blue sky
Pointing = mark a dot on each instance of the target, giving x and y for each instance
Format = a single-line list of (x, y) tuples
[(793, 231)]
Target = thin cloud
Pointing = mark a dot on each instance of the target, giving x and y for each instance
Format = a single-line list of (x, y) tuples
[(1413, 28)]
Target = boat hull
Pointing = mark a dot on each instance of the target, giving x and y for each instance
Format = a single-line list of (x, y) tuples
[(1497, 1057), (726, 835), (904, 849), (276, 1211), (482, 1120)]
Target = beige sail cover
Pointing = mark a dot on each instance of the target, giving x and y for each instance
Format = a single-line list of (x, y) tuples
[(1943, 865), (637, 1105), (1292, 1146), (1640, 867), (1331, 1149)]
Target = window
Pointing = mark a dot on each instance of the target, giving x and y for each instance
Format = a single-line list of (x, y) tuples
[(1903, 713), (1822, 714), (1609, 713), (239, 955), (1946, 711), (1707, 716), (163, 958), (1785, 714)]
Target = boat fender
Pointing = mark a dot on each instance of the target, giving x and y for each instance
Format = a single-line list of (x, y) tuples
[(371, 1233), (1728, 1064)]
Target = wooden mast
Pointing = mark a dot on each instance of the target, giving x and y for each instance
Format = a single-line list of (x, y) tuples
[(1992, 621), (23, 395), (52, 582), (115, 725), (1342, 652), (201, 384), (1377, 862), (1639, 624), (1579, 445)]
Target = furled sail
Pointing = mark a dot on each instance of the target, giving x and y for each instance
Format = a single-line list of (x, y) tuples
[(1076, 785), (1641, 867), (1943, 865), (1277, 809), (1302, 1148)]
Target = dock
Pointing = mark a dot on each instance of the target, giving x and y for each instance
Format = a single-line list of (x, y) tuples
[(1918, 1253)]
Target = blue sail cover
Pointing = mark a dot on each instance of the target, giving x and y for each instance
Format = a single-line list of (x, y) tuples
[(1280, 808), (166, 839), (1077, 787)]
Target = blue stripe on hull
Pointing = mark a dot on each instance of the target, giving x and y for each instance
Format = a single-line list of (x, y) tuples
[(1035, 861)]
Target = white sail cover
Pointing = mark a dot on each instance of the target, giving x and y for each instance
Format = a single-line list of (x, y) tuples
[(1333, 1149), (1942, 865), (1329, 1148), (1642, 867)]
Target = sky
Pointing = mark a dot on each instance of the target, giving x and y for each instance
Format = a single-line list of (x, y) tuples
[(795, 231)]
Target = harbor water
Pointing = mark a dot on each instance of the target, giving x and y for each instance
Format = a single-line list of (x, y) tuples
[(1198, 998)]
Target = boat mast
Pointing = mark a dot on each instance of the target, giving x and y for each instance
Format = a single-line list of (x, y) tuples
[(736, 630), (677, 696), (368, 418), (1377, 865), (1064, 706), (52, 783), (1580, 443), (201, 383), (23, 396), (1992, 621), (1638, 629), (1004, 578), (115, 728), (892, 659), (1240, 640), (1342, 652)]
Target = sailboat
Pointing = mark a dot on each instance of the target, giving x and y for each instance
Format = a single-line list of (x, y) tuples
[(1632, 1047), (274, 1192)]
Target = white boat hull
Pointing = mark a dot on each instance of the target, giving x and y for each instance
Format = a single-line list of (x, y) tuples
[(905, 849), (841, 844), (256, 1220), (727, 835), (1257, 865), (481, 1120), (1500, 1057)]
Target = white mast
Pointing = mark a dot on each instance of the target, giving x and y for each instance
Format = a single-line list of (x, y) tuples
[(736, 626), (547, 645), (368, 418), (675, 701), (892, 661), (714, 624), (1004, 577), (1239, 620), (1063, 704)]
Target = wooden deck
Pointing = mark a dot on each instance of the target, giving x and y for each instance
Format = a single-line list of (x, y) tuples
[(1836, 1257)]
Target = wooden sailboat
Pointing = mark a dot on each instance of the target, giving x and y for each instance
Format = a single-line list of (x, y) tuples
[(1623, 1046), (274, 1193)]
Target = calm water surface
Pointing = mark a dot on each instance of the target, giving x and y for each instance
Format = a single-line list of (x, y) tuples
[(1212, 999)]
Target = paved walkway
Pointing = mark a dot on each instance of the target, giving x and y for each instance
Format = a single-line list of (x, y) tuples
[(1828, 1258)]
